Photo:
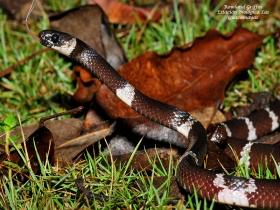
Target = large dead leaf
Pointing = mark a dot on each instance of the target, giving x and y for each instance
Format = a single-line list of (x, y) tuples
[(190, 77)]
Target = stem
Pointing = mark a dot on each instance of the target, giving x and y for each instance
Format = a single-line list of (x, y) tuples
[(7, 143)]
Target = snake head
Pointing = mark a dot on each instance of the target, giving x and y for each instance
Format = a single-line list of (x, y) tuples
[(59, 41)]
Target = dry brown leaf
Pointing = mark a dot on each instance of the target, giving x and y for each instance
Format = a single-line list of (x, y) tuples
[(191, 77), (121, 13)]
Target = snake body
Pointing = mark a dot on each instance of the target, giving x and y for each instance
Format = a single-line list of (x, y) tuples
[(190, 175)]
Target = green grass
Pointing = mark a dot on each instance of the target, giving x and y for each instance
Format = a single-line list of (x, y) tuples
[(56, 189), (43, 85), (263, 76), (40, 86)]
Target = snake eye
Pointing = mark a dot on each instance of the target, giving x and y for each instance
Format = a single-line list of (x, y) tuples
[(54, 38)]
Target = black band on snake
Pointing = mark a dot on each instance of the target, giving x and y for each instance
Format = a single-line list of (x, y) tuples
[(211, 185)]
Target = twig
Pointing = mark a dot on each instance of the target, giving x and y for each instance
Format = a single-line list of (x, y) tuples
[(8, 70)]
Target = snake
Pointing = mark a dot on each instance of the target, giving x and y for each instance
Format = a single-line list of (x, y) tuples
[(232, 190)]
